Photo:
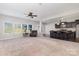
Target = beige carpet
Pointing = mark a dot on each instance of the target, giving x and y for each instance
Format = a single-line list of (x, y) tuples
[(38, 46)]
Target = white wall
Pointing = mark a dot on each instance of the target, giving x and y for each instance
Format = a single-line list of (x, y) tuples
[(49, 27), (13, 20)]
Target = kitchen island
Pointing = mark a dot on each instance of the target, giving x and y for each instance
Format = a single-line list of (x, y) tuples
[(63, 35)]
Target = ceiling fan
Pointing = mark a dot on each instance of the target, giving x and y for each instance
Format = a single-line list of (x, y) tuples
[(31, 15)]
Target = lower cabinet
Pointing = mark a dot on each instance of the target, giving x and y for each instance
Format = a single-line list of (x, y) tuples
[(63, 35)]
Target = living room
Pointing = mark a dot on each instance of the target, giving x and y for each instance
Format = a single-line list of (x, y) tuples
[(46, 28)]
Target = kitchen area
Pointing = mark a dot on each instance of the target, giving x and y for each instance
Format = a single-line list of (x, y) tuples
[(68, 31)]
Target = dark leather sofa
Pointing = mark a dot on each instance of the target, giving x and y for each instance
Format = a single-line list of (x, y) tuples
[(33, 33)]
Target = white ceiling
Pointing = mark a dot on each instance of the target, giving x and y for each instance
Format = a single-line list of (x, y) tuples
[(43, 10)]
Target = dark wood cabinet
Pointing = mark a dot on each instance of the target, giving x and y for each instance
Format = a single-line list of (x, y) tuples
[(67, 25), (77, 21), (57, 26), (70, 24), (63, 35)]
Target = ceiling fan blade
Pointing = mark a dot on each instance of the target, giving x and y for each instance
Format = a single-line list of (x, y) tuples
[(34, 15), (31, 15)]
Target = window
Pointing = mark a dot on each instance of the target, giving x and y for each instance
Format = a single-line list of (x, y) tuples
[(24, 27), (8, 27), (30, 27), (18, 28)]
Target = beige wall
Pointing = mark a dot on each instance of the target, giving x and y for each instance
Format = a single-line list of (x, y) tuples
[(13, 20)]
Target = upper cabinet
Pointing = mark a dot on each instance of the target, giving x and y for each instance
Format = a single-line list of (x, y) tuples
[(66, 25), (77, 21)]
